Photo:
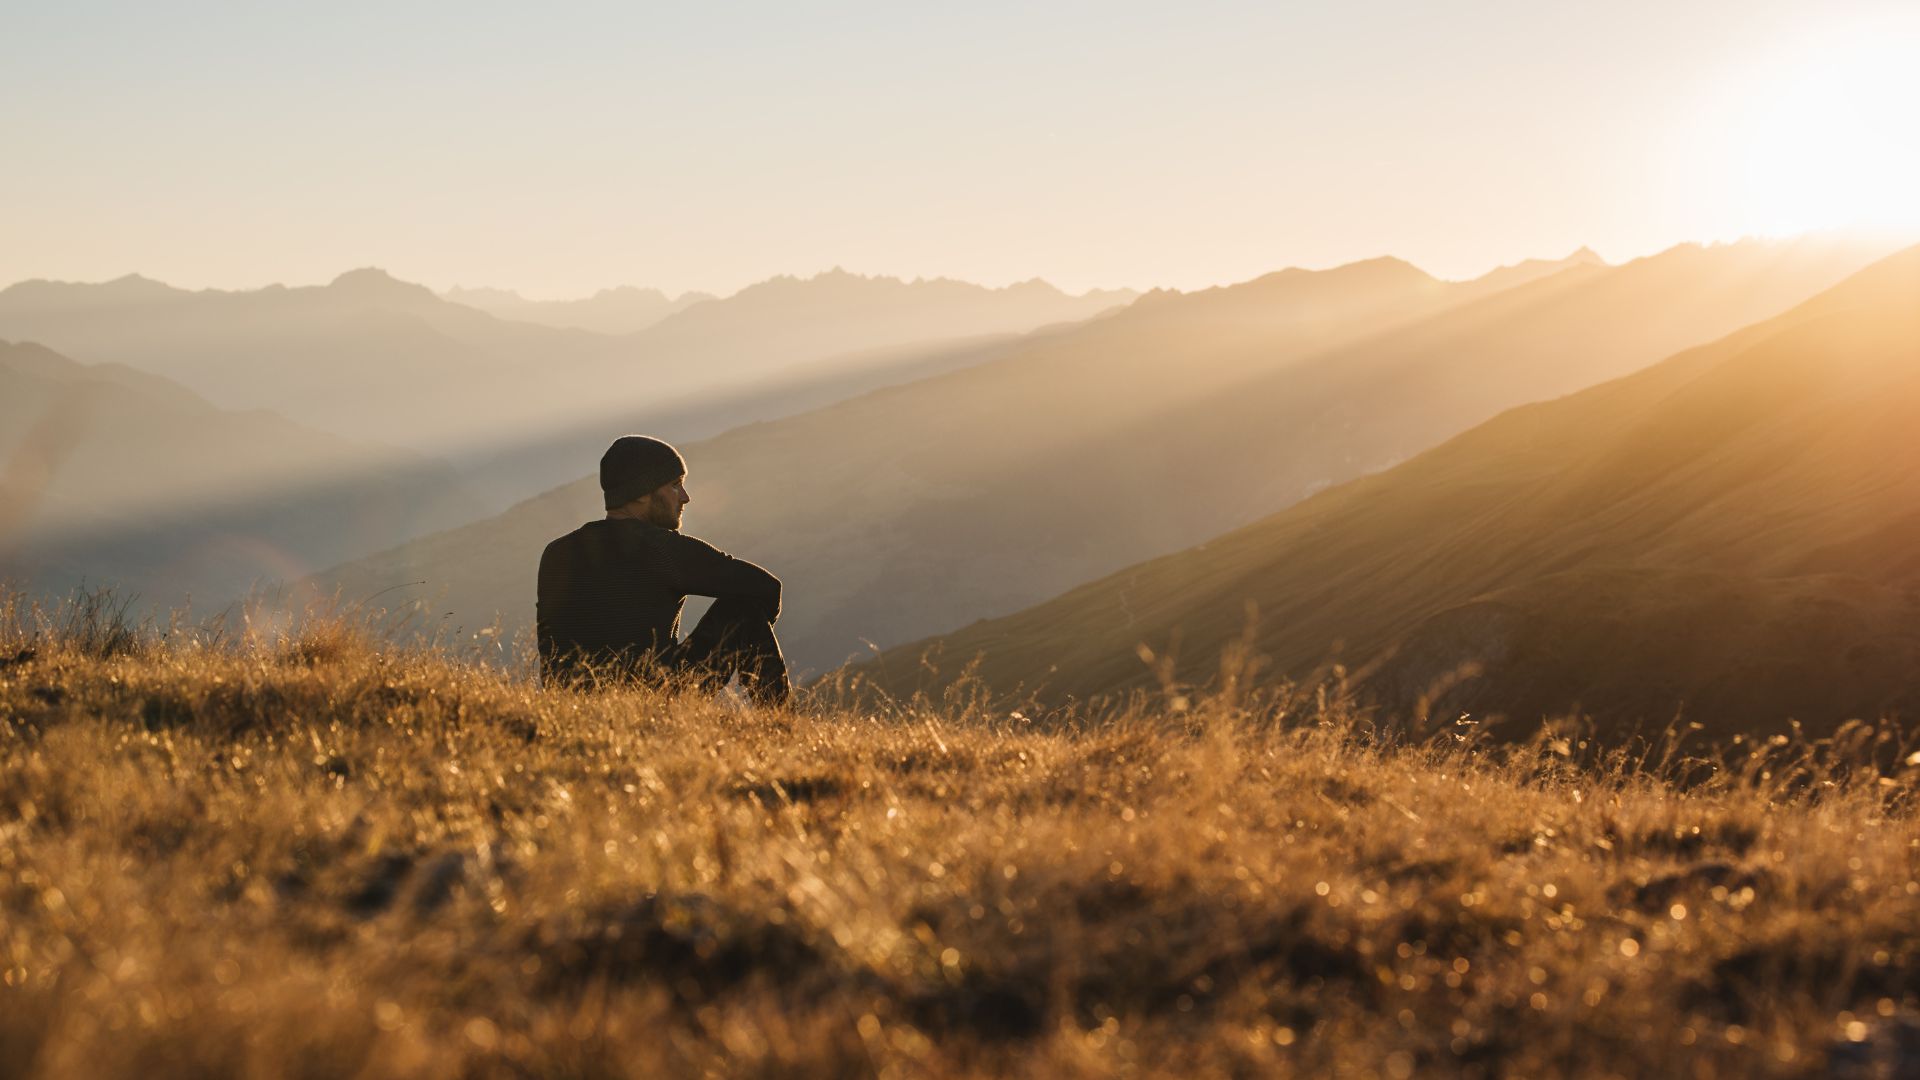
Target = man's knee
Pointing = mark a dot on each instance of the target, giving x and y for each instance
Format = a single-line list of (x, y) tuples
[(735, 610), (733, 625)]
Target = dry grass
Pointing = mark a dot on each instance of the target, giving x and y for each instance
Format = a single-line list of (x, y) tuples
[(308, 856)]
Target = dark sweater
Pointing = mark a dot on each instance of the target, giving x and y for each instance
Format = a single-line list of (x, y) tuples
[(611, 593)]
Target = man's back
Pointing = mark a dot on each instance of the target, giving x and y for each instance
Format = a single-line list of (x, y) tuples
[(611, 593)]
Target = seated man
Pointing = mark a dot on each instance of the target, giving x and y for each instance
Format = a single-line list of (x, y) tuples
[(611, 591)]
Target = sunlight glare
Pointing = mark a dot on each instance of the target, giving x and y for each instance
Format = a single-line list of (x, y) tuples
[(1823, 136)]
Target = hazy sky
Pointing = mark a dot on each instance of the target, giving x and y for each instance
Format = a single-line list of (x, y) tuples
[(561, 148)]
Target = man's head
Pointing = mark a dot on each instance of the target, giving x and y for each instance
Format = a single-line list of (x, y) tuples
[(644, 478)]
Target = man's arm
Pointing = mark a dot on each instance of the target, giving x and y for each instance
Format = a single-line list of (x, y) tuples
[(707, 571)]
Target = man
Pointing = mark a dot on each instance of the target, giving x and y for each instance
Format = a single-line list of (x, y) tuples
[(611, 591)]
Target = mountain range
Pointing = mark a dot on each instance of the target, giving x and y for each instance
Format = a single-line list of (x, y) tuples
[(621, 310), (1729, 538), (1081, 450), (376, 359), (768, 327), (112, 476), (366, 356)]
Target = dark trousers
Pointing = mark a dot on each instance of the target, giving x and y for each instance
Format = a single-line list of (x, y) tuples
[(734, 637)]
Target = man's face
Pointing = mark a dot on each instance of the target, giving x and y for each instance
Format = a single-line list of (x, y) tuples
[(666, 503)]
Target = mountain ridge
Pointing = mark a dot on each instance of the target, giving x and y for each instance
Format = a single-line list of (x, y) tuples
[(982, 491), (1722, 536), (360, 355), (119, 477)]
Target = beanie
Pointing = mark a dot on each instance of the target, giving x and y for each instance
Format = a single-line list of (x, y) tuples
[(636, 465)]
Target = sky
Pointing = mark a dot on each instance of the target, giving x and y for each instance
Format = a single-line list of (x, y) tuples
[(563, 148)]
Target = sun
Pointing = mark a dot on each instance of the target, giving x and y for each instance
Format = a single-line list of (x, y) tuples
[(1825, 134)]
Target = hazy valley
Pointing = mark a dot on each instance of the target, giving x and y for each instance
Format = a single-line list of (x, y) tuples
[(1722, 539), (411, 414), (119, 479), (376, 359), (919, 508)]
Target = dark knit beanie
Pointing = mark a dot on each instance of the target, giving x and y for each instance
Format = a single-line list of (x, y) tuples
[(636, 465)]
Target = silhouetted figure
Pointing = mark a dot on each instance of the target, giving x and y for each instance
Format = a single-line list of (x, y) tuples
[(611, 591)]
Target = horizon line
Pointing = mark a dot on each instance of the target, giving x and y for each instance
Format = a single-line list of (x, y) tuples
[(1617, 259)]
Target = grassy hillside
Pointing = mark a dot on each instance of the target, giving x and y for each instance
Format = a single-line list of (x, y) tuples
[(1727, 536), (921, 508), (304, 856)]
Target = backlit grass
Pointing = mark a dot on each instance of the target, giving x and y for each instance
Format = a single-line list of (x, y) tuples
[(311, 856)]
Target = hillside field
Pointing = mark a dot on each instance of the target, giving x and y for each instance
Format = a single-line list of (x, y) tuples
[(240, 855)]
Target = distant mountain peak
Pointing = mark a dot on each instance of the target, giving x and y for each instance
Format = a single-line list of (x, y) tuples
[(1382, 265), (839, 276), (373, 282), (362, 275), (123, 289), (1382, 269), (1035, 286), (1533, 269), (129, 286)]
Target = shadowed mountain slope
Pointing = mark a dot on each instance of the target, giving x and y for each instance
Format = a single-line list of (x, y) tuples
[(117, 477), (910, 510), (1731, 536)]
